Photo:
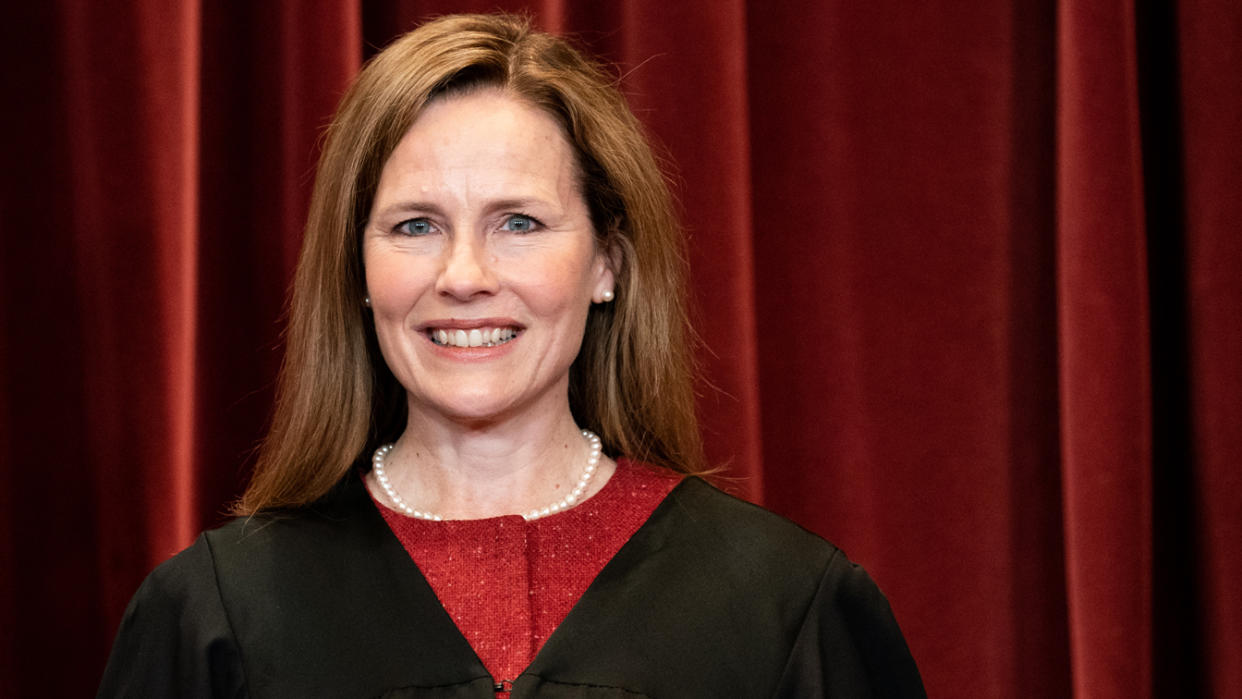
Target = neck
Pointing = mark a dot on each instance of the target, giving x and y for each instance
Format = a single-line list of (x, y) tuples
[(473, 470)]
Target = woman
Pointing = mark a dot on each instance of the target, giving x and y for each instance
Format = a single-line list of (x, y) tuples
[(479, 476)]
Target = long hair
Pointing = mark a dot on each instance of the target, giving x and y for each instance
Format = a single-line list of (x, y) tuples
[(632, 380)]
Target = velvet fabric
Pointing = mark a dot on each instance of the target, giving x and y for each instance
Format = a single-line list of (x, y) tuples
[(966, 277)]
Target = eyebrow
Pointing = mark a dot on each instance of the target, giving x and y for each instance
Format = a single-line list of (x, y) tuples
[(403, 207), (413, 206)]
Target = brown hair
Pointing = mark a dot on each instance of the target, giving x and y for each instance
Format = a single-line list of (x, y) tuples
[(632, 380)]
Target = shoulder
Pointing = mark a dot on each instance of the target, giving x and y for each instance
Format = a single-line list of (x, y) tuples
[(342, 524), (276, 599), (745, 533), (245, 542), (745, 538), (754, 564), (187, 580), (185, 628), (175, 637), (711, 578), (837, 627), (749, 535)]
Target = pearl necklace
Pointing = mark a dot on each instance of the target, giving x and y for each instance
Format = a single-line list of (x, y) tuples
[(377, 463)]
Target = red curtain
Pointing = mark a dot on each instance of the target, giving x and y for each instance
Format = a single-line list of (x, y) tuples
[(968, 279)]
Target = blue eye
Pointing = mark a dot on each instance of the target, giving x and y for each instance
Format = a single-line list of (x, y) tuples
[(415, 227), (520, 223)]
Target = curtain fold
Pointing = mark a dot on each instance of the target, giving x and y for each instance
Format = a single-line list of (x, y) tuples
[(1105, 366), (133, 264), (966, 280), (1209, 108), (685, 75)]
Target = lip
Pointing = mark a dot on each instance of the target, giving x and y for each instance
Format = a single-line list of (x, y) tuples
[(469, 324), (470, 354)]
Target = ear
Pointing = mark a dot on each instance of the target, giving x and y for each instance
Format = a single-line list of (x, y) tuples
[(607, 263)]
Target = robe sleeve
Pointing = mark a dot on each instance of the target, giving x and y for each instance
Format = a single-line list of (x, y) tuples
[(849, 644), (175, 639)]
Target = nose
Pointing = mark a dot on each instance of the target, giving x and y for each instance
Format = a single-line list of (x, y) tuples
[(467, 271)]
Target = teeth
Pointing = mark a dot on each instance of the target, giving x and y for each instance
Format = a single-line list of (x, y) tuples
[(475, 337)]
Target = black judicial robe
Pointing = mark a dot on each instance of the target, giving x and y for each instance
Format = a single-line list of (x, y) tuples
[(712, 597)]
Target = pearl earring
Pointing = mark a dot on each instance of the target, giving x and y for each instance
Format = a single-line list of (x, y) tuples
[(608, 296), (367, 301)]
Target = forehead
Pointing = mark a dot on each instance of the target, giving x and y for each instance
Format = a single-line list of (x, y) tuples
[(487, 137)]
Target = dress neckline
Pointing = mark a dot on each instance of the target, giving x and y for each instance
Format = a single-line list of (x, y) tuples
[(582, 506), (644, 541)]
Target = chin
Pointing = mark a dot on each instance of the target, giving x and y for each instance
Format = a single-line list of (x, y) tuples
[(475, 399), (480, 410)]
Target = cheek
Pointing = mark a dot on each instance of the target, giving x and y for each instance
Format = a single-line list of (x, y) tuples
[(558, 288), (392, 282)]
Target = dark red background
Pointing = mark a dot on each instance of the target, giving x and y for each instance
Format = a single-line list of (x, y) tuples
[(968, 276)]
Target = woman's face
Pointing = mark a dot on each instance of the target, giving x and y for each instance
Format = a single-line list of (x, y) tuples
[(481, 262)]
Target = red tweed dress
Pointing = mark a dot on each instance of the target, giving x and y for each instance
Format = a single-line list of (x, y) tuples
[(508, 583)]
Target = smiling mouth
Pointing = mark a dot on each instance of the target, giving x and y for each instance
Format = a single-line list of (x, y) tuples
[(474, 337)]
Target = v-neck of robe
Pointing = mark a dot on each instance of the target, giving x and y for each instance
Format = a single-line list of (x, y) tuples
[(508, 583), (456, 650)]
